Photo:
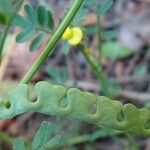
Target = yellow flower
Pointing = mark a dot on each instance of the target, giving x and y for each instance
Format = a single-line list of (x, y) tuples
[(73, 35), (67, 34)]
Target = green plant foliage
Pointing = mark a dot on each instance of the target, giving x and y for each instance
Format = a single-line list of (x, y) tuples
[(7, 13), (59, 76), (81, 14), (42, 16), (109, 113), (25, 35), (37, 42), (3, 18), (42, 139), (140, 70), (36, 25), (5, 10), (6, 5), (91, 29), (21, 22), (80, 17), (103, 133), (66, 47), (109, 35), (105, 7), (18, 145), (89, 2), (31, 14), (50, 20), (114, 50)]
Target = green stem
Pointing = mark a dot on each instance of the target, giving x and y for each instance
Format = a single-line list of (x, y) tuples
[(7, 26), (52, 43), (87, 138), (2, 41), (77, 140), (99, 31), (132, 143), (96, 66), (98, 71)]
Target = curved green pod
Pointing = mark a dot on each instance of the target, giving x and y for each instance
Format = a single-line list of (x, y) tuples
[(79, 105)]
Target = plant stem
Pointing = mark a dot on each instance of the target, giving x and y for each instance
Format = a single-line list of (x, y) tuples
[(99, 32), (98, 71), (96, 66), (132, 142), (52, 43), (78, 140), (7, 26), (86, 138), (2, 40)]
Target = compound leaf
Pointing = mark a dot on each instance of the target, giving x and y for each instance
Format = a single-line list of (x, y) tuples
[(42, 139), (104, 7), (38, 22)]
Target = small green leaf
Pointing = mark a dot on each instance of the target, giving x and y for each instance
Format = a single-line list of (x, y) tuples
[(42, 16), (91, 29), (21, 22), (25, 35), (42, 139), (104, 7), (31, 14), (66, 47), (109, 35), (37, 42), (18, 145), (114, 50), (50, 20)]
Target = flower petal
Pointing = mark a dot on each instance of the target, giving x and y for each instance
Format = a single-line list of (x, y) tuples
[(77, 36)]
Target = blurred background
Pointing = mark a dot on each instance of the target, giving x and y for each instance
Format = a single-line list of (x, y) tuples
[(125, 60)]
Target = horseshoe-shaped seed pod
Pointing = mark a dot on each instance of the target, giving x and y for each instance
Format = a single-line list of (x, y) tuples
[(78, 105)]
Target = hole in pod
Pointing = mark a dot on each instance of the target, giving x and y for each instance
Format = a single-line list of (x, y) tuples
[(147, 124), (120, 116), (32, 93), (93, 108), (64, 102), (7, 103)]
